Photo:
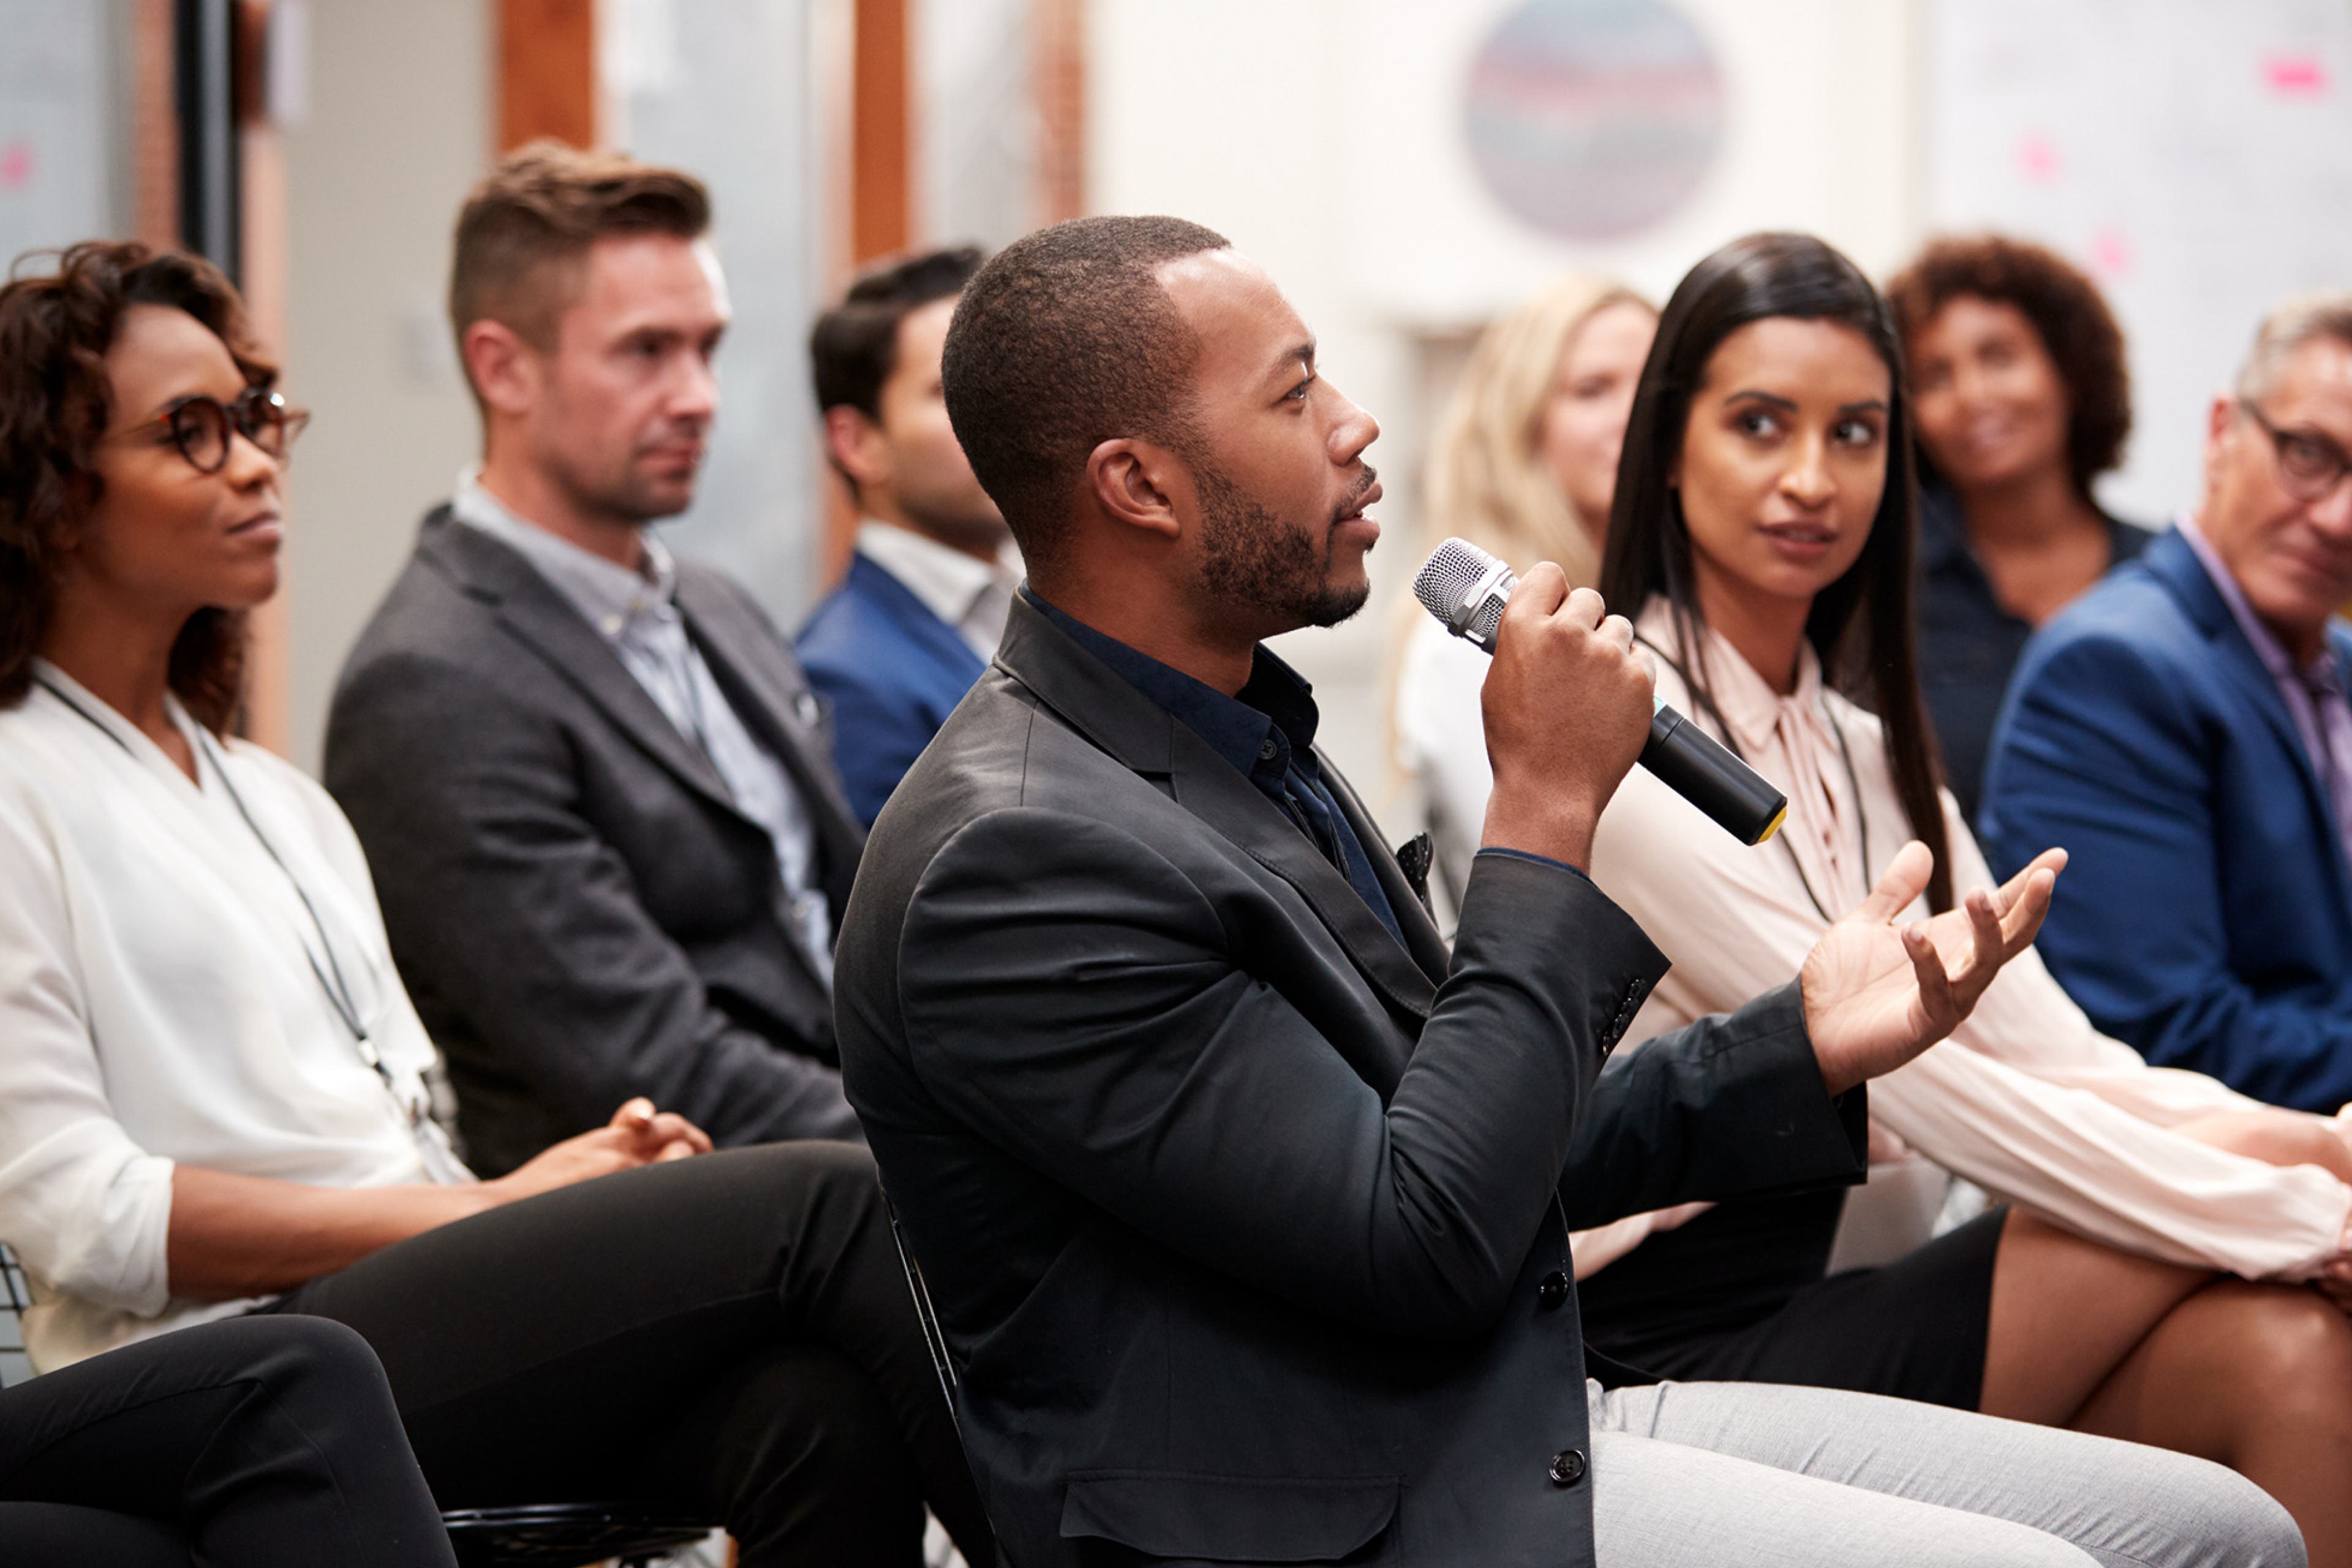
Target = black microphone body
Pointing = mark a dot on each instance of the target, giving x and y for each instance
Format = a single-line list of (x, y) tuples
[(1465, 588)]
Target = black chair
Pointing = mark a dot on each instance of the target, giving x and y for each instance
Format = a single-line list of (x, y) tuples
[(566, 1535), (15, 1366), (548, 1535)]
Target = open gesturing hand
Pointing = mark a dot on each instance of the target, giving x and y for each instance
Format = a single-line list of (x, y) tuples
[(1877, 994)]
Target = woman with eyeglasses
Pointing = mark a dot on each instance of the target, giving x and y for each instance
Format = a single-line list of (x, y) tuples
[(212, 1095), (1761, 537)]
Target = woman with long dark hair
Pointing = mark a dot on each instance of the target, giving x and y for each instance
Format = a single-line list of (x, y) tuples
[(212, 1097), (1762, 539)]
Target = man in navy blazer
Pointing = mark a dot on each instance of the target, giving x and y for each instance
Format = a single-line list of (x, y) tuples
[(2182, 729), (897, 643)]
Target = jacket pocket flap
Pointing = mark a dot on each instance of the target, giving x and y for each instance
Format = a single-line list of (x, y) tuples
[(1232, 1518)]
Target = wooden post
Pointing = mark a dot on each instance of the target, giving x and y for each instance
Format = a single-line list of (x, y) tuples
[(881, 215), (1059, 62), (547, 72), (263, 244), (881, 191)]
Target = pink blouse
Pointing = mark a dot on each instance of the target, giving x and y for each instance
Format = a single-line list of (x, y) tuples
[(2026, 1098)]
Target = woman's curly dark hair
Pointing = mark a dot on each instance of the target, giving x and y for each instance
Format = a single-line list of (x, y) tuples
[(2067, 312), (55, 403)]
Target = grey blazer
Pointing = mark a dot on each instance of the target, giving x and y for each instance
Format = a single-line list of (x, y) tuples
[(1248, 1225), (576, 903)]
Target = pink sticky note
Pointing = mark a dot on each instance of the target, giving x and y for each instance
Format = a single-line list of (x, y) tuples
[(2037, 159), (2295, 76), (15, 165), (2111, 253)]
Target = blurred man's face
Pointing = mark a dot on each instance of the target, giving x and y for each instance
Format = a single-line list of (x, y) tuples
[(1278, 530), (919, 469), (2287, 542), (626, 395)]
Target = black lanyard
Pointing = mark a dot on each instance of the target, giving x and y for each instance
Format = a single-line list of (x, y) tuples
[(340, 995), (1731, 744)]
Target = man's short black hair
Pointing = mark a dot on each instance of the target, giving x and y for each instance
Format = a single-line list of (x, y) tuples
[(855, 346), (1064, 342)]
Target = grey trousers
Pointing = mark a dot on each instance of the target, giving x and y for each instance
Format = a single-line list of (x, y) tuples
[(1767, 1476)]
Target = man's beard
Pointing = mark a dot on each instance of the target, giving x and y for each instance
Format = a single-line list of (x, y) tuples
[(617, 494), (1252, 557)]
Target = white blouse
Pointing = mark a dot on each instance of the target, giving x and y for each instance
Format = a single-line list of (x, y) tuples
[(2027, 1098), (1441, 741), (167, 995)]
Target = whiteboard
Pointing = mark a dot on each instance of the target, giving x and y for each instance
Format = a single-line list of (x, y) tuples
[(2194, 157), (57, 151)]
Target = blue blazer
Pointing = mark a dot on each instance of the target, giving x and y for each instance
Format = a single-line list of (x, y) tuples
[(893, 672), (2206, 914)]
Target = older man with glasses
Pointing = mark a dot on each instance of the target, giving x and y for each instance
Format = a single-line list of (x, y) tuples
[(2183, 732)]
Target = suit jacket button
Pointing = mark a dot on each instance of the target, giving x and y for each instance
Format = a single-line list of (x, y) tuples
[(1566, 1467), (1551, 1291)]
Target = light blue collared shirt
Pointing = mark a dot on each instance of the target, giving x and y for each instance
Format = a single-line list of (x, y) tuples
[(636, 615)]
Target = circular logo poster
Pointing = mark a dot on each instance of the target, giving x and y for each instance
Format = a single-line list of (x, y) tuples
[(1593, 119)]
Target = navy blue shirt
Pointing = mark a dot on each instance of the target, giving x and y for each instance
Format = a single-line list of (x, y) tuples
[(1266, 733), (1968, 641)]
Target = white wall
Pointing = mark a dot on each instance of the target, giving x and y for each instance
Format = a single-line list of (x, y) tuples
[(397, 129), (1321, 136)]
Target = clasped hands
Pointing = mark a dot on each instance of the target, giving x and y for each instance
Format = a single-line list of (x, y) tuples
[(638, 1135)]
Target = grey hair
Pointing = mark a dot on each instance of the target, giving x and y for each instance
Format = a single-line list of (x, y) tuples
[(2298, 322)]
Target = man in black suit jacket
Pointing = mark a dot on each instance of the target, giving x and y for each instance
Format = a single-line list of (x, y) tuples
[(1244, 1203), (594, 789)]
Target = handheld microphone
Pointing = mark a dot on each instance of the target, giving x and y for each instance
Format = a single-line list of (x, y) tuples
[(1465, 588)]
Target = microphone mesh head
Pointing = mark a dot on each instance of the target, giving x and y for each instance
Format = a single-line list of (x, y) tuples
[(1448, 575), (1445, 581), (1487, 621)]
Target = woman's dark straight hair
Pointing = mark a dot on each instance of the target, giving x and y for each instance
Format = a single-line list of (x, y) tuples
[(1861, 626)]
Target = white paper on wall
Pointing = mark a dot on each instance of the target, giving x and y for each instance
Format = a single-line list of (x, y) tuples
[(2194, 157)]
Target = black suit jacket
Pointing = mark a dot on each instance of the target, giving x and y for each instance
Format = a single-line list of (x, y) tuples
[(576, 904), (1246, 1224)]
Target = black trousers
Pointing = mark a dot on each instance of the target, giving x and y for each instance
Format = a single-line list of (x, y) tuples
[(254, 1443), (730, 1334)]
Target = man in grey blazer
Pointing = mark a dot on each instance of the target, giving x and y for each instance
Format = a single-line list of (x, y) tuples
[(1244, 1203), (594, 789)]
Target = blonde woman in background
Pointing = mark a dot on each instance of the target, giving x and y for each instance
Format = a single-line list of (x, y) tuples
[(1523, 465)]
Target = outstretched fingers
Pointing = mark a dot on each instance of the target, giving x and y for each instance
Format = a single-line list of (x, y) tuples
[(2025, 898), (1937, 1003), (2003, 923), (1906, 879)]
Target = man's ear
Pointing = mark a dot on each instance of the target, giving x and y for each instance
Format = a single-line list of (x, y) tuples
[(855, 443), (1136, 482), (504, 368), (2221, 422)]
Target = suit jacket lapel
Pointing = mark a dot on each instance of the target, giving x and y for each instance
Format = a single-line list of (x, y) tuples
[(1147, 739), (541, 618), (782, 714), (1422, 939), (2176, 564), (924, 633)]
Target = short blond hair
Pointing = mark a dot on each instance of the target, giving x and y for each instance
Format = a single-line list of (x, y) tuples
[(1487, 481), (524, 232)]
